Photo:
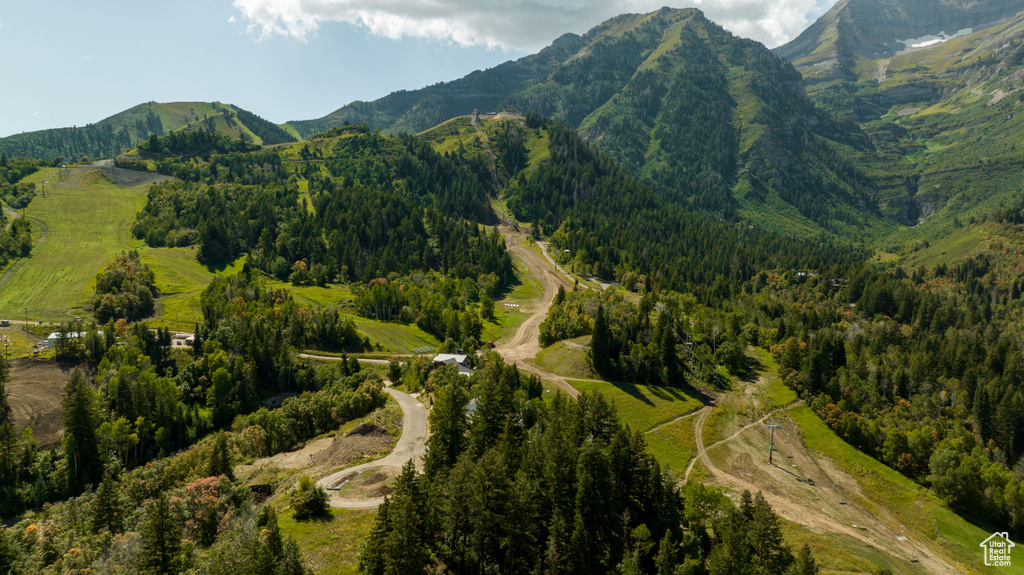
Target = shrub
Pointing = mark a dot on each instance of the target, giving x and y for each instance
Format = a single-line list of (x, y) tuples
[(309, 501)]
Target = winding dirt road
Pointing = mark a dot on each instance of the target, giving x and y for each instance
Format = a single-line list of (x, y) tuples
[(11, 216), (525, 344), (813, 497), (411, 446)]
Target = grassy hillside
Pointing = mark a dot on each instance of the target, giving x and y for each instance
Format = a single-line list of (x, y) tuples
[(85, 221), (120, 132), (941, 117), (671, 96)]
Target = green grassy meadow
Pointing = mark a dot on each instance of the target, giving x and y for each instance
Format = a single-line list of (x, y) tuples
[(180, 279), (84, 222), (642, 407), (673, 444), (330, 546), (567, 360)]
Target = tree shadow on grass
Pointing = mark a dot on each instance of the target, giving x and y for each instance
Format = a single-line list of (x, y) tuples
[(662, 392)]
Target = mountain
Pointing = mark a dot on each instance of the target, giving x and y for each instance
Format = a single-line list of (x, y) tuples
[(854, 30), (122, 131), (942, 113), (675, 97)]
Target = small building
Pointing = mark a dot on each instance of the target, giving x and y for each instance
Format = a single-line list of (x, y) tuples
[(54, 337), (459, 360)]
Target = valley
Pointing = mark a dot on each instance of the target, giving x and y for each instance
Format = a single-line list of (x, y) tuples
[(653, 300)]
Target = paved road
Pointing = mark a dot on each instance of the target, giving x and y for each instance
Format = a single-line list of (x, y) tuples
[(412, 445)]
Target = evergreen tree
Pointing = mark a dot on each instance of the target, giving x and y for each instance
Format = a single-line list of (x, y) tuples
[(81, 420), (982, 413), (10, 454), (8, 554), (5, 406), (667, 343), (291, 559), (106, 506), (601, 343), (220, 458), (766, 541), (161, 538), (448, 427), (804, 564), (665, 561), (397, 543)]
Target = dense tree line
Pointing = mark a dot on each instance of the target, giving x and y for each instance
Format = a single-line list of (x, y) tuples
[(146, 401), (92, 140), (268, 132), (921, 370), (389, 206), (12, 171), (16, 235), (524, 486), (618, 227), (184, 513), (192, 143), (684, 340), (15, 239), (124, 289)]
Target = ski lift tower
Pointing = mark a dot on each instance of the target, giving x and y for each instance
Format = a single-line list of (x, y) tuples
[(772, 425)]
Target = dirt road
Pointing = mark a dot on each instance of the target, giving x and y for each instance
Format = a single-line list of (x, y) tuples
[(525, 344), (411, 446), (335, 358), (11, 216), (800, 489)]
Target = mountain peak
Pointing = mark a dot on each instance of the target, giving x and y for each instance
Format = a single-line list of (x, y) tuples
[(872, 29)]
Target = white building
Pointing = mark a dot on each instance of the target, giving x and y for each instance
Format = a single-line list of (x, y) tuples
[(457, 359), (54, 337)]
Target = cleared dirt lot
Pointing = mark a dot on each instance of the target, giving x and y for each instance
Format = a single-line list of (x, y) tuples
[(34, 392)]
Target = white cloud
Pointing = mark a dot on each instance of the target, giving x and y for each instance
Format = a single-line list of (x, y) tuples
[(520, 24)]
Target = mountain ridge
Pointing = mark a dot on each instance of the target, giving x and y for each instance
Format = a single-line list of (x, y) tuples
[(123, 130)]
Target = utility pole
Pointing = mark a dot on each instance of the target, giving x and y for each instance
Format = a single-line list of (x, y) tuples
[(772, 425)]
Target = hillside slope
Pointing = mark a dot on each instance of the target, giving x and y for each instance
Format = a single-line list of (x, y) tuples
[(874, 29), (942, 114), (674, 97), (120, 132)]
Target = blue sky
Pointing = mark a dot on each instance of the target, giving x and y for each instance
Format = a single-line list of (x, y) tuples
[(71, 63)]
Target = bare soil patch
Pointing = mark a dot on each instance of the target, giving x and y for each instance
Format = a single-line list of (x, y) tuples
[(131, 178), (806, 489), (333, 452), (35, 392), (364, 439), (372, 483)]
